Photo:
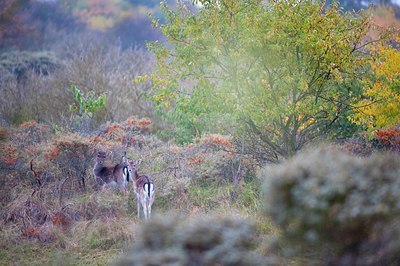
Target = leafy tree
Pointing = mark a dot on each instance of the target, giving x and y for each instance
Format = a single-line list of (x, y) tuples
[(381, 106), (281, 72)]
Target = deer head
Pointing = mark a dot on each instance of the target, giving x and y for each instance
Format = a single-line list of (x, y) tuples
[(112, 175), (132, 168)]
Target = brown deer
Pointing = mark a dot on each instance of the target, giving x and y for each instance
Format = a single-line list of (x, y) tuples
[(112, 176), (143, 187)]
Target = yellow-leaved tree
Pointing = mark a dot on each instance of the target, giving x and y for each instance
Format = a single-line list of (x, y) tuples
[(380, 107)]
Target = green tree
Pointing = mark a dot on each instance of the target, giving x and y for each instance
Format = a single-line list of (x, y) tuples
[(282, 72)]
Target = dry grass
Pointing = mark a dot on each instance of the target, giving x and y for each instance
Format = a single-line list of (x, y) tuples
[(57, 222)]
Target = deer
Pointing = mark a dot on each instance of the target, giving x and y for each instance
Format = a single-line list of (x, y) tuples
[(113, 176), (143, 187)]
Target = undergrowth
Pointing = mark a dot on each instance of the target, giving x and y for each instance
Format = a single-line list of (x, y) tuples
[(52, 213)]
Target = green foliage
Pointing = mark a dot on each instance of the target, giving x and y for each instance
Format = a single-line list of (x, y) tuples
[(87, 105), (283, 70), (336, 205)]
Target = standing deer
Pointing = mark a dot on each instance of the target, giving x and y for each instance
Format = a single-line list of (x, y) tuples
[(143, 187), (113, 176)]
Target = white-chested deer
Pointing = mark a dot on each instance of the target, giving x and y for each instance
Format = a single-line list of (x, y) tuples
[(143, 187), (112, 176)]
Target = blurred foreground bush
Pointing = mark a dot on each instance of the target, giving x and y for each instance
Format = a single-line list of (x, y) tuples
[(344, 208), (210, 240)]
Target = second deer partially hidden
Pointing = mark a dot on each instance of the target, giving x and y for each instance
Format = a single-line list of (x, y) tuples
[(110, 176)]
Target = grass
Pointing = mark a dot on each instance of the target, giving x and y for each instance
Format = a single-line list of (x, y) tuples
[(88, 227), (112, 219), (31, 253)]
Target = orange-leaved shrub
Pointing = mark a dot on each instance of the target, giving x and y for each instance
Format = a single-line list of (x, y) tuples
[(388, 138), (22, 143), (129, 133), (73, 154)]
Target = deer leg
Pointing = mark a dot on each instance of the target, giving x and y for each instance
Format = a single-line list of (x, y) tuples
[(149, 209), (138, 205), (144, 205)]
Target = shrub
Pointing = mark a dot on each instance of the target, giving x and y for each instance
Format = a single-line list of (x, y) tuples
[(359, 146), (335, 203), (73, 154), (20, 146), (198, 241), (388, 139), (27, 212), (19, 64), (36, 98), (8, 155), (214, 157), (129, 133), (24, 78)]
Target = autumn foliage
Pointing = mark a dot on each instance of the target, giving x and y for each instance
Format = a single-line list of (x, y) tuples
[(127, 133), (380, 106), (9, 154), (389, 138)]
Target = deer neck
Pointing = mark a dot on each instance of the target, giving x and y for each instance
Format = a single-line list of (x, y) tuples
[(97, 168), (135, 175)]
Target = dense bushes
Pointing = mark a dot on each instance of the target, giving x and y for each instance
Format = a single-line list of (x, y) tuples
[(336, 204), (43, 201), (20, 63), (342, 207), (197, 241), (388, 138), (36, 85), (25, 85)]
